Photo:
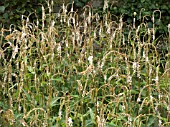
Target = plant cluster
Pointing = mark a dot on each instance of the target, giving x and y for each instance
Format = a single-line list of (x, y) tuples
[(11, 11), (66, 70), (144, 12)]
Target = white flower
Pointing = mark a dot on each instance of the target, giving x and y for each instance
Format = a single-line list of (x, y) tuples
[(134, 13), (168, 26), (105, 77), (138, 100), (60, 114), (144, 55), (159, 96), (130, 121), (108, 30), (52, 23), (70, 122), (151, 97), (72, 6), (100, 30), (168, 107), (105, 5), (156, 79), (147, 59), (90, 59), (15, 52), (59, 49), (135, 65), (94, 34), (89, 19), (19, 108), (102, 64), (103, 122), (64, 9), (129, 79), (160, 123), (97, 104), (61, 20), (23, 35), (123, 107)]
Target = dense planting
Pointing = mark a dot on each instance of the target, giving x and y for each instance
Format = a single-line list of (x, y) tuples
[(84, 70)]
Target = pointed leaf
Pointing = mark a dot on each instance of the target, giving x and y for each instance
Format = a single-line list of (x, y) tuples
[(2, 9)]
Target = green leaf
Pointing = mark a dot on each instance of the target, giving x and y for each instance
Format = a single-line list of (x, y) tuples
[(27, 95), (58, 79), (165, 7), (134, 92), (79, 4), (112, 124), (89, 123), (30, 69), (2, 9), (85, 1), (75, 96), (54, 102), (142, 1), (92, 114), (5, 15), (151, 121), (6, 5)]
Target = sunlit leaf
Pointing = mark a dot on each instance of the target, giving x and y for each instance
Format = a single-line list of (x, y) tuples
[(2, 9), (30, 69), (54, 101)]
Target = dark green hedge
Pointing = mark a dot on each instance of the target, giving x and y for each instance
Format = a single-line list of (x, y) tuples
[(11, 11), (144, 8)]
